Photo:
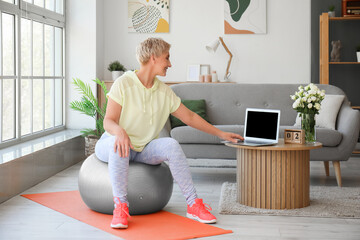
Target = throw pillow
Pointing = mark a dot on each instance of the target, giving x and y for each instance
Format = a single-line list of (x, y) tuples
[(197, 106), (327, 116)]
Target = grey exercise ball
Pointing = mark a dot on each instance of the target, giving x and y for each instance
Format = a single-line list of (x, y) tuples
[(149, 186)]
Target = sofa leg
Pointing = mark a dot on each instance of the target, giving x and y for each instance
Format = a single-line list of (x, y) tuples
[(336, 165), (326, 165)]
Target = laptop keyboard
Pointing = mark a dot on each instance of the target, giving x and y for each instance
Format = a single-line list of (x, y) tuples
[(249, 143)]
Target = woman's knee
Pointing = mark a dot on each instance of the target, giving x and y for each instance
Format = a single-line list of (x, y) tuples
[(103, 147), (172, 143), (170, 140)]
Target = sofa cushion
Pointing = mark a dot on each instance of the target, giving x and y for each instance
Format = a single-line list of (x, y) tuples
[(197, 106), (188, 134)]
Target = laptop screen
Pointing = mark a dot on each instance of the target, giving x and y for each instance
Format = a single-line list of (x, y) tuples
[(262, 124)]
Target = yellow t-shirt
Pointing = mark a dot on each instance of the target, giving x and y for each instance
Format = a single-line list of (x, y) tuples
[(144, 110)]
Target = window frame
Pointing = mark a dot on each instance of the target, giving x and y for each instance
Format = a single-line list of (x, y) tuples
[(22, 9)]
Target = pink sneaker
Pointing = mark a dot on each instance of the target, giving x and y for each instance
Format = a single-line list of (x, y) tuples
[(200, 211), (120, 215)]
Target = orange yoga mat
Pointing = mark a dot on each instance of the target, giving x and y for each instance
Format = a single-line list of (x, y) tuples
[(160, 225)]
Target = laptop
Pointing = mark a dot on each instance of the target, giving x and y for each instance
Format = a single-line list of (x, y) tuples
[(261, 127)]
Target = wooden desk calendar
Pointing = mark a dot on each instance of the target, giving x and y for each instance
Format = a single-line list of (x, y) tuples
[(294, 136)]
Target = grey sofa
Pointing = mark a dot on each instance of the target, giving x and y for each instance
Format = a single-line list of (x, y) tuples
[(226, 104)]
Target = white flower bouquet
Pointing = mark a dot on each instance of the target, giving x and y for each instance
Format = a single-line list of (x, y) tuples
[(308, 103), (308, 99)]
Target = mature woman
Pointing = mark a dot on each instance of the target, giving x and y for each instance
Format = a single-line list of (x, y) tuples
[(139, 104)]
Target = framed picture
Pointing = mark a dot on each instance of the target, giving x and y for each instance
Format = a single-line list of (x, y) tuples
[(146, 16), (193, 72), (245, 17), (204, 69)]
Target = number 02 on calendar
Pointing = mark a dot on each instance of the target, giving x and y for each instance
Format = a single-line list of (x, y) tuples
[(294, 136)]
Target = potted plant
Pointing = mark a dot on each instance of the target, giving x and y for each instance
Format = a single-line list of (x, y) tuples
[(331, 11), (358, 53), (116, 69), (89, 105)]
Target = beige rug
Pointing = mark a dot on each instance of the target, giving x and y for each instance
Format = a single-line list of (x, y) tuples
[(333, 202)]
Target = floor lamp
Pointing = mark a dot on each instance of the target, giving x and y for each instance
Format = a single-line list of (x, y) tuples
[(211, 47)]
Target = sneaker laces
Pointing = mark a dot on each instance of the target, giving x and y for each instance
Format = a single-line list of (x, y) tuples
[(204, 207), (119, 210)]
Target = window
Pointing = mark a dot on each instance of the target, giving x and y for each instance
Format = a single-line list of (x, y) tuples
[(31, 69)]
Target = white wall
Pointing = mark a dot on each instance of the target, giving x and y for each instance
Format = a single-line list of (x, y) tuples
[(280, 56), (99, 39), (80, 55), (97, 34)]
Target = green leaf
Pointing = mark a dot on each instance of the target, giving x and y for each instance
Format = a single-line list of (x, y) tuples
[(89, 105)]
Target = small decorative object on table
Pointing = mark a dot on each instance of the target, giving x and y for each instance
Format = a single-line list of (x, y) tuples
[(294, 136), (308, 103), (358, 53)]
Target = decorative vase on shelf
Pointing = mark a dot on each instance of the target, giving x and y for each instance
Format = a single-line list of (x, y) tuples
[(358, 56), (308, 125), (331, 11), (116, 74), (214, 76)]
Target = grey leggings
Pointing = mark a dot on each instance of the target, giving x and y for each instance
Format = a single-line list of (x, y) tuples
[(155, 152)]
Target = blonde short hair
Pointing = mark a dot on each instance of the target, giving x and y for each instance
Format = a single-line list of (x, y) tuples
[(149, 47)]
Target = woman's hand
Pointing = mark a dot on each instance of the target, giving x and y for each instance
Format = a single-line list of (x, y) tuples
[(232, 137), (111, 125), (122, 143)]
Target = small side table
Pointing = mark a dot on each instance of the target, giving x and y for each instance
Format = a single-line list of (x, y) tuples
[(274, 177)]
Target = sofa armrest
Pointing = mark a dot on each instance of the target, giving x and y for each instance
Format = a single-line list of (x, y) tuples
[(348, 124), (165, 132)]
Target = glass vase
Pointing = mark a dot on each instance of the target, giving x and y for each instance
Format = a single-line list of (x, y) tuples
[(308, 124)]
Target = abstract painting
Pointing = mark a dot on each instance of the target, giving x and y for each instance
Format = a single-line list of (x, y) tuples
[(245, 16), (148, 16)]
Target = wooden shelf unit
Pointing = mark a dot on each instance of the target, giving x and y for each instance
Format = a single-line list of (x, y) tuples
[(324, 45), (324, 49)]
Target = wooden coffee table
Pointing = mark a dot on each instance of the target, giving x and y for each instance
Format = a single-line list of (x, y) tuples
[(274, 177)]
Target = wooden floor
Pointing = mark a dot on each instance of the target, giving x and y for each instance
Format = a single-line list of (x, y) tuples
[(24, 219)]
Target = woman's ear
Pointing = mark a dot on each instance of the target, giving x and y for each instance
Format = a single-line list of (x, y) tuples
[(153, 58)]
